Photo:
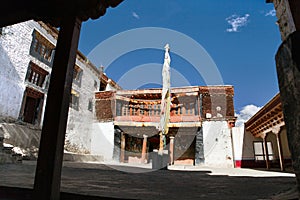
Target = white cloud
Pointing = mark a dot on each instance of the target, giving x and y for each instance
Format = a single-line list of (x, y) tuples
[(271, 13), (245, 114), (236, 22), (135, 15)]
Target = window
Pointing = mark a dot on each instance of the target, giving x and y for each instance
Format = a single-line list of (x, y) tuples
[(259, 153), (156, 109), (142, 110), (118, 109), (125, 110), (189, 108), (95, 85), (36, 75), (41, 48), (77, 75), (90, 105), (192, 108), (134, 110), (177, 110), (180, 110), (102, 86), (150, 110), (74, 100)]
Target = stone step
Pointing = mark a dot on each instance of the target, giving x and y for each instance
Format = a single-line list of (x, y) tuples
[(72, 157), (10, 158)]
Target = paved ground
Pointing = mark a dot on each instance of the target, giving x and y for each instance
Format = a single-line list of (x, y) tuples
[(128, 182)]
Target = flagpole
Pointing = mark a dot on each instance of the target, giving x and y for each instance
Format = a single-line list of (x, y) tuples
[(165, 101)]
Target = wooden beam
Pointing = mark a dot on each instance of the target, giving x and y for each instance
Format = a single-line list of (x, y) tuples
[(49, 164)]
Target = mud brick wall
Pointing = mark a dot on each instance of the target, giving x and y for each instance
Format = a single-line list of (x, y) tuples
[(213, 97), (105, 105)]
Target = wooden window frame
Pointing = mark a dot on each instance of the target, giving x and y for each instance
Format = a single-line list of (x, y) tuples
[(77, 75), (74, 100), (36, 75), (41, 48)]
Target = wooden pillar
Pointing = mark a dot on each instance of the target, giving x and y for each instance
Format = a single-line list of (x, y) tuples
[(276, 131), (144, 149), (49, 163), (288, 72), (281, 159), (161, 143), (123, 143), (171, 150), (266, 154)]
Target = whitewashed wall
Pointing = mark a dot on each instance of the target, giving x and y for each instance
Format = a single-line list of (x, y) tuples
[(14, 60), (243, 144), (238, 134), (15, 45), (217, 144), (103, 140), (79, 129), (109, 86)]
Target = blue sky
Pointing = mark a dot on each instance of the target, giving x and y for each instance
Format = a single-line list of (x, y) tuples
[(241, 37)]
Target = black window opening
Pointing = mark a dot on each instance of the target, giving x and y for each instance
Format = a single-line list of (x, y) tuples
[(90, 105), (77, 75), (102, 86), (74, 100), (95, 85)]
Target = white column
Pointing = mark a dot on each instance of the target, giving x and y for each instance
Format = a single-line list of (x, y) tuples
[(171, 150), (144, 149)]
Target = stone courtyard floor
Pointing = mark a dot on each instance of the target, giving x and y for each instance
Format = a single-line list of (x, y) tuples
[(100, 181)]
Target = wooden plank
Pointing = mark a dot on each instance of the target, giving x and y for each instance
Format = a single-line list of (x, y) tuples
[(49, 164)]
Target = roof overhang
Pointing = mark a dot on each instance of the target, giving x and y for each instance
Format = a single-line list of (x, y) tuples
[(52, 11), (268, 117)]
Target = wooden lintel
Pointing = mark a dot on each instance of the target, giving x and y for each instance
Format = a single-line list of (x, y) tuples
[(155, 124)]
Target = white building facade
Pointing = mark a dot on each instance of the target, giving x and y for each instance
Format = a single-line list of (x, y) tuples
[(26, 54)]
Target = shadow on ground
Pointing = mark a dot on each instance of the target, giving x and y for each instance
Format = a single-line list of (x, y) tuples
[(95, 181)]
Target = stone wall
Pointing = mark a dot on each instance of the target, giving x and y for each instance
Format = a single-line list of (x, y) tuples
[(199, 147), (288, 71), (285, 18)]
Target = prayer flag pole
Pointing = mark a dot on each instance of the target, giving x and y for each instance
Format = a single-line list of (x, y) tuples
[(165, 101)]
